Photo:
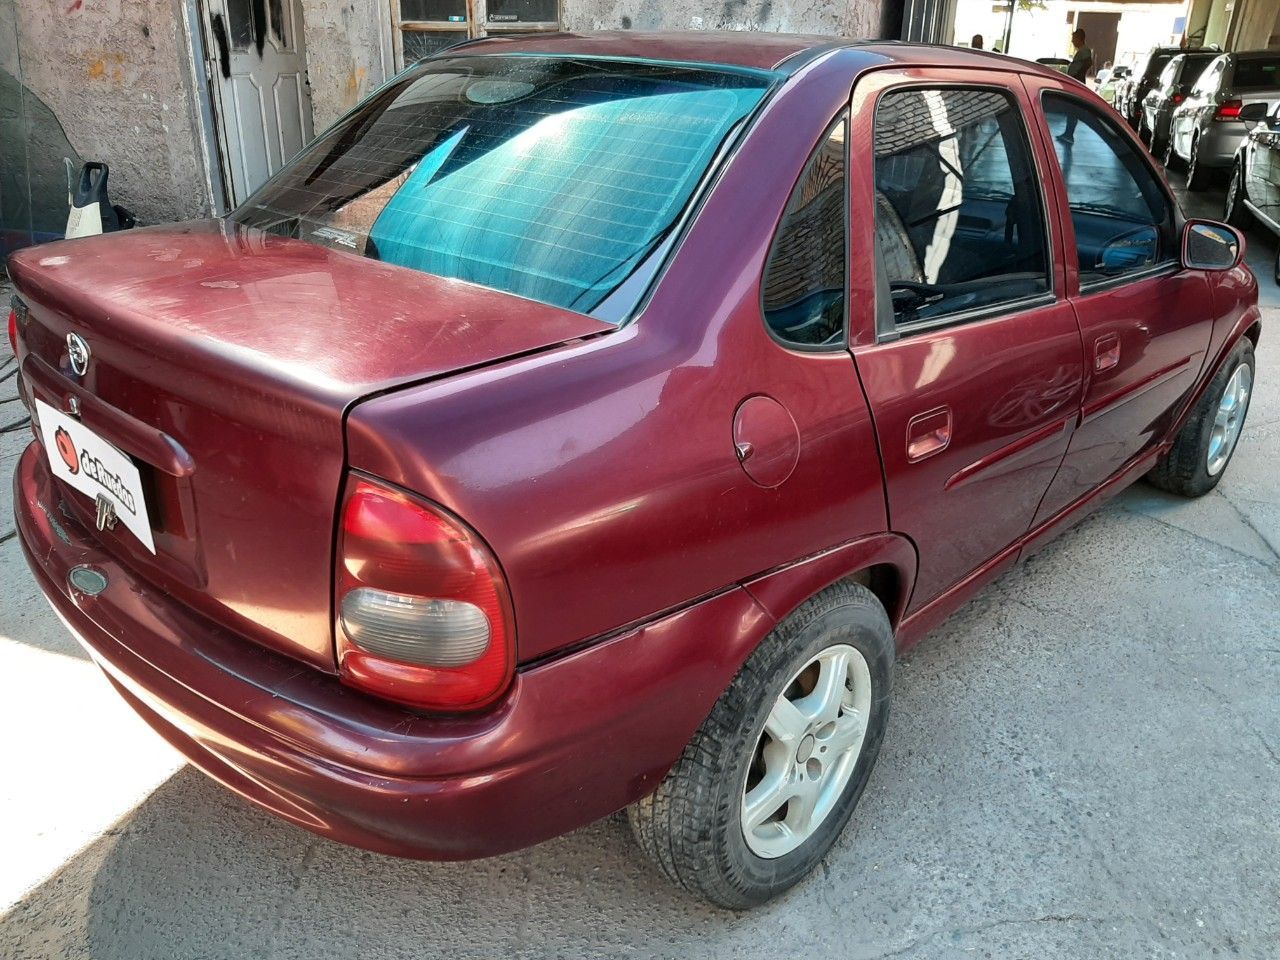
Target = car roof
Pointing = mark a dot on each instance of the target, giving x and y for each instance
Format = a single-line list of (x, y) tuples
[(753, 49)]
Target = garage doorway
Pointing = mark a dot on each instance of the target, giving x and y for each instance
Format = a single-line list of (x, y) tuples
[(1101, 31), (257, 68)]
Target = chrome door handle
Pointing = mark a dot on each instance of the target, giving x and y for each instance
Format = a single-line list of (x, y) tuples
[(928, 433), (1106, 352)]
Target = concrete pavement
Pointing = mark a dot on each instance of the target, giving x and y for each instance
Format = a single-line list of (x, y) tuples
[(1084, 763)]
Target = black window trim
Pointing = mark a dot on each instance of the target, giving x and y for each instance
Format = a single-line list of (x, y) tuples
[(994, 311), (1175, 214), (888, 329), (843, 115)]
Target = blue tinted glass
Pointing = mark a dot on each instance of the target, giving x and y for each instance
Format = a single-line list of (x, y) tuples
[(549, 178)]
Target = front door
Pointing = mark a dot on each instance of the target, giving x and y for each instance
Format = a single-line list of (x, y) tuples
[(974, 370), (1145, 321), (263, 101)]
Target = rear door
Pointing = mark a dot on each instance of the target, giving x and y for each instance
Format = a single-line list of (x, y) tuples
[(1262, 170), (972, 361), (1145, 321)]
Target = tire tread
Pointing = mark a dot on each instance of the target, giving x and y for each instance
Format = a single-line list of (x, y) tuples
[(674, 826)]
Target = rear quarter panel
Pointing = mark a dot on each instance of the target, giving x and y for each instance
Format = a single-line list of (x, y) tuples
[(603, 474)]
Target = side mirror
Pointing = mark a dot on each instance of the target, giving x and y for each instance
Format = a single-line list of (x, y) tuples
[(1129, 251), (1207, 245), (1252, 113)]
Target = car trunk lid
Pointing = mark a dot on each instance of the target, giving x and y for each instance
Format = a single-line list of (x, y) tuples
[(222, 363)]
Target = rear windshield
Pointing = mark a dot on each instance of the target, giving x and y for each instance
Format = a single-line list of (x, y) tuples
[(1256, 74), (548, 177), (1192, 67), (1156, 64)]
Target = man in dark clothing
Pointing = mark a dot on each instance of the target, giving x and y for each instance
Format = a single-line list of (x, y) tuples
[(1082, 62), (1078, 69)]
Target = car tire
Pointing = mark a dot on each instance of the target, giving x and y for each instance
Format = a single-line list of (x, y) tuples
[(1168, 156), (1144, 132), (1196, 462), (1198, 175), (1235, 212), (692, 825)]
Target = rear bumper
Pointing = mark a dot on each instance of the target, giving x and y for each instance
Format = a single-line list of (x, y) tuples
[(575, 739)]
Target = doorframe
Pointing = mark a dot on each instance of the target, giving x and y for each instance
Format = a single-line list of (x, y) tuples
[(212, 118), (207, 119)]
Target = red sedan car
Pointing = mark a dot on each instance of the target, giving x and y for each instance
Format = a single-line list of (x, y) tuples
[(585, 422)]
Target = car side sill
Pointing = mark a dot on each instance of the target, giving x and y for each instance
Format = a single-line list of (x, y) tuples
[(922, 621)]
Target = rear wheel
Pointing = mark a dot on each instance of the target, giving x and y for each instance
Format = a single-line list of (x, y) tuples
[(1203, 448), (1234, 211), (1168, 156), (770, 779)]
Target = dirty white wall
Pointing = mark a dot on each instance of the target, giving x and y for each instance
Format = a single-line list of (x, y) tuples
[(115, 74), (847, 18), (346, 59)]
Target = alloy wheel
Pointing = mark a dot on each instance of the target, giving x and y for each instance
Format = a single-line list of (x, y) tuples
[(1233, 192), (1228, 420), (807, 752)]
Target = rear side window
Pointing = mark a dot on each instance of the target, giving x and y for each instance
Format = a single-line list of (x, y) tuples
[(548, 177), (804, 278), (1256, 75), (959, 217)]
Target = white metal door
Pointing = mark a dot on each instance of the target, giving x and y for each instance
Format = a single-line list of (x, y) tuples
[(259, 69)]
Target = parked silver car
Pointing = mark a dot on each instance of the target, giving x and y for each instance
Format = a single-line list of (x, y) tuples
[(1171, 88), (1254, 188), (1205, 130)]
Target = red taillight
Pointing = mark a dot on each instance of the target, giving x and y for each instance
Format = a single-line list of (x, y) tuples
[(1178, 98), (423, 615), (13, 330), (1229, 110)]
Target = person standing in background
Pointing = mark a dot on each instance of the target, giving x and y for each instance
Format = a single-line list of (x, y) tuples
[(1082, 60), (976, 42), (1078, 69)]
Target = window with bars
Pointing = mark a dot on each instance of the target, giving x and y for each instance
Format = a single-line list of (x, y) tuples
[(425, 27)]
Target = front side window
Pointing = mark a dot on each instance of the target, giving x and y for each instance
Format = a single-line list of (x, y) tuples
[(959, 218), (1123, 221), (804, 278), (552, 178)]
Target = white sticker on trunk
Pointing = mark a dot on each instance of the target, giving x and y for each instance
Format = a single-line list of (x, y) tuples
[(93, 466)]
